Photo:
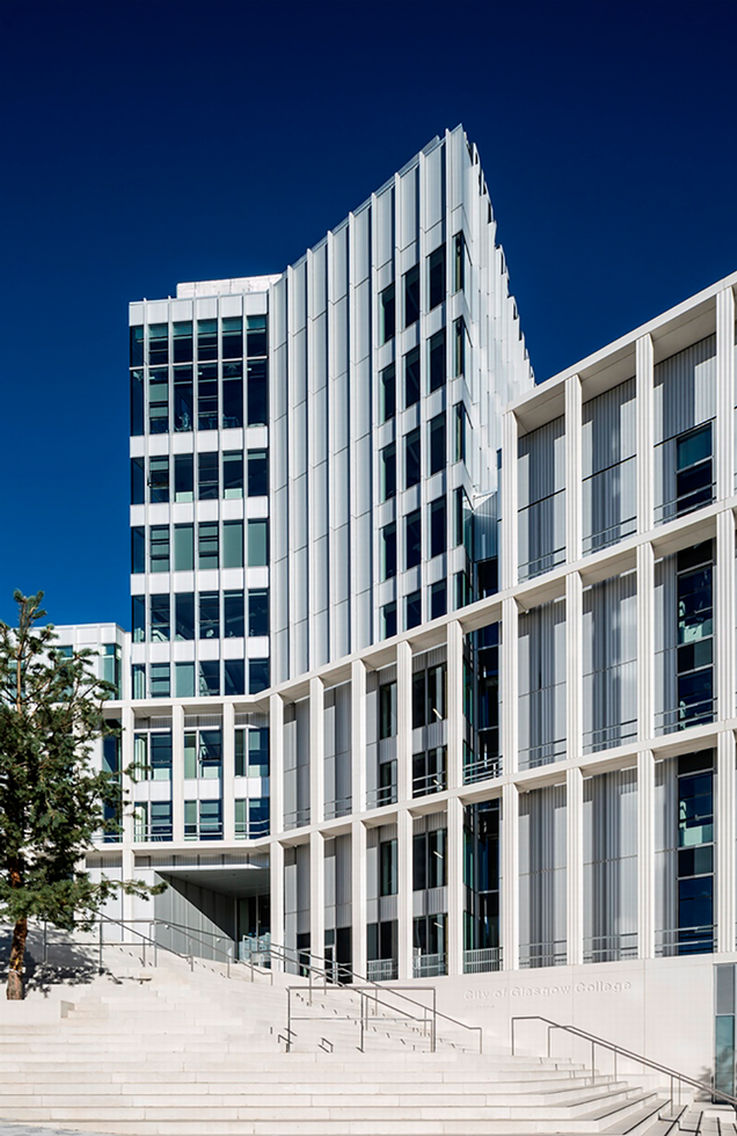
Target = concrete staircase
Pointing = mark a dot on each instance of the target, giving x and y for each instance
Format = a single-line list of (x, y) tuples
[(178, 1053)]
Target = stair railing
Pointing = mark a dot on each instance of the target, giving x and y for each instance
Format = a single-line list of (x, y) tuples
[(673, 1075), (369, 995)]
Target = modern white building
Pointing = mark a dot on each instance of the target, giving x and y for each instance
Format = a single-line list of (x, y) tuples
[(432, 670)]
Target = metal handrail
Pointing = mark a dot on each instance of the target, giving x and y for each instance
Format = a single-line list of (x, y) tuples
[(367, 994), (619, 1050)]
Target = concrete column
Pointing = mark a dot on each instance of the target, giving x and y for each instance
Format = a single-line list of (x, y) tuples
[(405, 894), (358, 737), (317, 897), (317, 751), (725, 615), (726, 837), (645, 855), (574, 866), (725, 440), (573, 467), (177, 773), (574, 665), (646, 661), (508, 566), (127, 724), (358, 897), (404, 722), (276, 770), (228, 771), (510, 878), (645, 451), (454, 869), (455, 704), (276, 874), (508, 678)]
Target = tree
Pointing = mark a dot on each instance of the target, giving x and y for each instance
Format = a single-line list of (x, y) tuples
[(52, 801)]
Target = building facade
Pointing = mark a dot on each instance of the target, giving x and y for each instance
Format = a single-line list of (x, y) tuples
[(432, 670)]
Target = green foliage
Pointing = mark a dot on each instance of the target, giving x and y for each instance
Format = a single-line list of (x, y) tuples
[(52, 801)]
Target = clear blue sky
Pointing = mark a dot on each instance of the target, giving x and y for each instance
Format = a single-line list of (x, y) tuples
[(155, 141)]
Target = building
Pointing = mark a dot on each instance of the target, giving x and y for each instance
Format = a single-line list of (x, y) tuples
[(433, 669)]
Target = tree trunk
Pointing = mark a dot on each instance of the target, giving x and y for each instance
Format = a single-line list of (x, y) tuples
[(14, 992)]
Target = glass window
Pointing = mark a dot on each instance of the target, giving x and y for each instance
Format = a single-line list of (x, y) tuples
[(258, 473), (138, 680), (160, 685), (413, 609), (209, 677), (413, 538), (211, 825), (158, 401), (387, 710), (438, 599), (258, 750), (138, 549), (183, 398), (158, 343), (138, 612), (438, 526), (436, 276), (437, 360), (387, 313), (138, 482), (232, 394), (412, 461), (388, 867), (137, 408), (160, 618), (184, 615), (208, 488), (231, 337), (389, 620), (136, 346), (208, 546), (158, 480), (419, 700), (388, 551), (257, 544), (240, 753), (183, 548), (184, 680), (160, 768), (159, 548), (207, 396), (209, 615), (461, 419), (412, 377), (258, 612), (412, 295), (459, 262), (232, 475), (388, 472), (459, 347), (693, 469), (233, 544), (256, 335), (257, 393), (235, 676), (182, 341), (387, 393), (233, 615), (183, 477), (207, 339), (258, 675), (437, 443)]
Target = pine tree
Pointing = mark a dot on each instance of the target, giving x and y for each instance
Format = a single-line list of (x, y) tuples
[(52, 801)]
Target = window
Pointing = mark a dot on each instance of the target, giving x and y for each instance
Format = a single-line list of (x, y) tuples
[(160, 685), (429, 771), (459, 348), (136, 346), (388, 551), (388, 472), (158, 480), (438, 523), (138, 680), (693, 469), (138, 482), (412, 462), (258, 675), (208, 547), (161, 820), (387, 393), (387, 710), (438, 599), (208, 487), (158, 401), (182, 341), (138, 549), (183, 548), (231, 337), (207, 396), (183, 477), (209, 684), (233, 544), (437, 360), (258, 474), (234, 672), (184, 615), (428, 860), (258, 544), (257, 393), (159, 548), (184, 680), (211, 824), (138, 613), (209, 615), (207, 339), (389, 620), (412, 296), (436, 276), (386, 314), (160, 618), (413, 538), (412, 377), (459, 262), (437, 443), (388, 867), (158, 343), (461, 419), (232, 475), (233, 615), (183, 398), (258, 750), (256, 339), (413, 609), (137, 409), (232, 410), (258, 612), (160, 753)]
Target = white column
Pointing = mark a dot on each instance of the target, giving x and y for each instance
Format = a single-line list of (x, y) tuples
[(177, 773), (276, 770), (405, 894), (646, 661), (508, 678), (645, 451), (404, 722), (508, 566), (454, 869), (358, 737), (317, 897), (127, 723), (509, 913), (725, 615), (317, 751), (455, 704), (726, 838), (645, 854), (573, 467), (276, 898), (228, 771), (574, 866), (574, 665), (358, 897), (725, 472)]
